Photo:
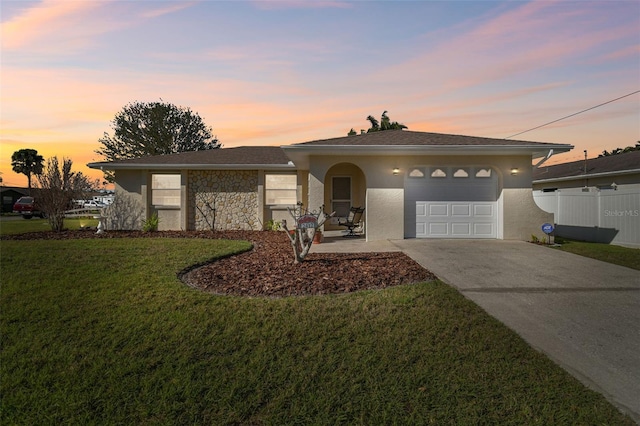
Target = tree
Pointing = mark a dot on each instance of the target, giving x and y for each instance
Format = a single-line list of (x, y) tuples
[(155, 128), (57, 188), (384, 124), (27, 162), (616, 151)]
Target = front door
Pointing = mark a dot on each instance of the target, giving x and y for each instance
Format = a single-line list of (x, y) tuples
[(341, 195)]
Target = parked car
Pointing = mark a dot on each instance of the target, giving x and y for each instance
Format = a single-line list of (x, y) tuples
[(91, 204), (27, 207)]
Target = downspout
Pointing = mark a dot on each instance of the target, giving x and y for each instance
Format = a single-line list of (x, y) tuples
[(539, 163)]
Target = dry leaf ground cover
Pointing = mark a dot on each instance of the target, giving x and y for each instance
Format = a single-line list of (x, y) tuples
[(268, 269)]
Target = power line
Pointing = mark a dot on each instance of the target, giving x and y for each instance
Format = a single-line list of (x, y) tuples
[(574, 114)]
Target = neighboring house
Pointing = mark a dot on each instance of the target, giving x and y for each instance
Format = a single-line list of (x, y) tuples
[(412, 184), (10, 195), (593, 200)]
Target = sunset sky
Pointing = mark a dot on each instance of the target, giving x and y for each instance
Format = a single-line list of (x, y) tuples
[(282, 72)]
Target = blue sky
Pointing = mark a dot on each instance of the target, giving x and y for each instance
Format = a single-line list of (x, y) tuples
[(281, 72)]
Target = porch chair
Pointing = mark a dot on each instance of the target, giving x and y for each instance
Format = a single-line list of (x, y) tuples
[(352, 221)]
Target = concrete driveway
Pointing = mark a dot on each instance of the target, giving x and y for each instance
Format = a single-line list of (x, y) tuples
[(582, 313)]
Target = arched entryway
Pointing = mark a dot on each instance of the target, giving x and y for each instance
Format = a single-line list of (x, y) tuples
[(344, 187)]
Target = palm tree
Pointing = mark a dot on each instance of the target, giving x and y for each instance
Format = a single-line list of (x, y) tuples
[(27, 162), (375, 126), (384, 124)]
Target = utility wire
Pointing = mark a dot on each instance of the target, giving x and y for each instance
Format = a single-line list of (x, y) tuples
[(574, 114)]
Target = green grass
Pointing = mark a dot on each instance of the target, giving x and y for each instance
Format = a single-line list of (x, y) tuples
[(20, 226), (101, 331), (623, 256)]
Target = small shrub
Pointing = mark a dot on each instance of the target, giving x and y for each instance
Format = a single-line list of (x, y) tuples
[(534, 239), (272, 225), (151, 224)]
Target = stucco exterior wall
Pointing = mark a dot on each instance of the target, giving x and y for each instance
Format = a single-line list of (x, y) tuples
[(522, 217), (132, 183), (129, 208), (385, 214), (518, 215), (223, 200)]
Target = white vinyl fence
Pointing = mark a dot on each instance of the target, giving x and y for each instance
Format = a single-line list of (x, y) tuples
[(608, 216)]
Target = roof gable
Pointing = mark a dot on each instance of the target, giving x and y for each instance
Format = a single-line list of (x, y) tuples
[(250, 156), (411, 138)]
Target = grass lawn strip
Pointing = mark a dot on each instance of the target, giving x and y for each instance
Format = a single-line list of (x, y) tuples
[(98, 331), (618, 255), (20, 226)]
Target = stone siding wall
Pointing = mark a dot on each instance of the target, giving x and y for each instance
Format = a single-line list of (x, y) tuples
[(223, 200)]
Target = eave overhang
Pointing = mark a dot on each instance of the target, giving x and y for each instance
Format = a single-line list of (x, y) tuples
[(175, 167), (300, 154)]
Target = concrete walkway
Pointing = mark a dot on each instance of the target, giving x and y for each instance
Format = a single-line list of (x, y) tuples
[(582, 313)]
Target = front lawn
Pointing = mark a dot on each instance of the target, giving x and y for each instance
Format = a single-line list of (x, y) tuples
[(20, 225), (618, 255), (101, 331)]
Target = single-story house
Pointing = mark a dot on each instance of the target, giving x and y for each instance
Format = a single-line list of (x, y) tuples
[(597, 199), (411, 184)]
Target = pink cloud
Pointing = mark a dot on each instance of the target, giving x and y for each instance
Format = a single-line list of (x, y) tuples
[(49, 18), (301, 4), (169, 9), (519, 42), (626, 52)]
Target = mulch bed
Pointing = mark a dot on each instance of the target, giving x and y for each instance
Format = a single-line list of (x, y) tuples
[(268, 270)]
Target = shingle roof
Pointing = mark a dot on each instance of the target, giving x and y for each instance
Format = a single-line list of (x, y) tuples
[(411, 138), (608, 164), (244, 155)]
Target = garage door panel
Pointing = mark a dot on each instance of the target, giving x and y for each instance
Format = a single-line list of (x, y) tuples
[(421, 228), (438, 228), (484, 229), (486, 210), (461, 229), (455, 220), (438, 209), (460, 210)]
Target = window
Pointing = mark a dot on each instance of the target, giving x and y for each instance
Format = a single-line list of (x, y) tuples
[(280, 189), (483, 173), (461, 173), (165, 190), (341, 195), (438, 173), (416, 173)]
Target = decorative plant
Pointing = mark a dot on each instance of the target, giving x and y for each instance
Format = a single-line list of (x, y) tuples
[(534, 239), (272, 225), (151, 224), (307, 222)]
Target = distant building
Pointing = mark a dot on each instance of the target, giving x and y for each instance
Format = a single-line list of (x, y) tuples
[(10, 195)]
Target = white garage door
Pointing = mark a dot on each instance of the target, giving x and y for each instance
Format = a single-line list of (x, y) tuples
[(451, 202)]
